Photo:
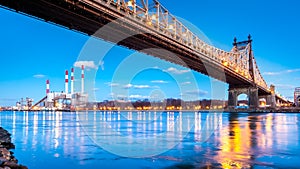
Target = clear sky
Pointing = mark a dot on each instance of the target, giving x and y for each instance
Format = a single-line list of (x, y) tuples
[(33, 51)]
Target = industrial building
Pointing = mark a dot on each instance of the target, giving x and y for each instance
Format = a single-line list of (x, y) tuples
[(297, 96), (67, 100)]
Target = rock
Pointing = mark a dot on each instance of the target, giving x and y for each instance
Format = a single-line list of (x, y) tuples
[(13, 159), (2, 160), (7, 160), (22, 167), (11, 164), (4, 151), (8, 145)]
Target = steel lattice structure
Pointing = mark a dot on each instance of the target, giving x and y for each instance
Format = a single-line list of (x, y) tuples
[(88, 15), (156, 16)]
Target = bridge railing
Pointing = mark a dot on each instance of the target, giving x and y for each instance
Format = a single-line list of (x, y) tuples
[(155, 16)]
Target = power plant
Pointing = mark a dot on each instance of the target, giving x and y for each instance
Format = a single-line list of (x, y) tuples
[(67, 100)]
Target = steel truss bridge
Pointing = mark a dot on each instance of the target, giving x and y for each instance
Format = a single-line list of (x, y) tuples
[(148, 24)]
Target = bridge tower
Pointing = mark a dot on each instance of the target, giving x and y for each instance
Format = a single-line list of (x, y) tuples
[(250, 90)]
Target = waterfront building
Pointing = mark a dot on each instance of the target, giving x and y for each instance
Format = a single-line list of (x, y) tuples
[(297, 96)]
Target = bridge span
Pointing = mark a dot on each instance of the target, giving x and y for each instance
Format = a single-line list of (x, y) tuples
[(148, 24)]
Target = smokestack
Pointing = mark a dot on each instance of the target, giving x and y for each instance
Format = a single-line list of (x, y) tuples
[(66, 82), (47, 87), (72, 80), (82, 79)]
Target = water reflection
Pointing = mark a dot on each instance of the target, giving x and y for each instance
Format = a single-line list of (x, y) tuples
[(144, 134), (70, 140), (39, 135), (259, 140)]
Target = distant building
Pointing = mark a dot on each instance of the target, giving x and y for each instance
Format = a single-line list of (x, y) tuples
[(297, 96)]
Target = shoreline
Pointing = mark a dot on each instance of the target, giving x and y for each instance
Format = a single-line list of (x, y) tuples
[(204, 110), (7, 159)]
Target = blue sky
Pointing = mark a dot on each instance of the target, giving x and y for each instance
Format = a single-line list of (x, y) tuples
[(33, 51)]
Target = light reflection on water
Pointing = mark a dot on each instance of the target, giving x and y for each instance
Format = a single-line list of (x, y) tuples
[(56, 139), (137, 134)]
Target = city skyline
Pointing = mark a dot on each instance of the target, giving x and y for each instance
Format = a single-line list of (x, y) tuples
[(36, 51)]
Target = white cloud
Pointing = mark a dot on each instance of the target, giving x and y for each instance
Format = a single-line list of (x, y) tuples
[(293, 70), (281, 72), (128, 86), (186, 83), (110, 84), (142, 86), (159, 81), (86, 64), (138, 97), (196, 92), (39, 76), (95, 89), (271, 73), (130, 97), (117, 96), (121, 97), (177, 71)]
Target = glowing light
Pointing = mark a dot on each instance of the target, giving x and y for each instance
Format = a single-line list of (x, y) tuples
[(231, 164), (171, 27), (34, 108), (225, 63), (129, 4), (149, 23), (154, 17)]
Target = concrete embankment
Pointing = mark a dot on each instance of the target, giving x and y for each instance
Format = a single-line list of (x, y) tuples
[(7, 159)]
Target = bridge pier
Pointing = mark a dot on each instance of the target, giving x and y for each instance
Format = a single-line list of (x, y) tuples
[(251, 92), (270, 100)]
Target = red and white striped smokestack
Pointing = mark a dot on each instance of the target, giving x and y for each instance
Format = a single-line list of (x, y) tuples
[(82, 78), (67, 82), (47, 87), (72, 80)]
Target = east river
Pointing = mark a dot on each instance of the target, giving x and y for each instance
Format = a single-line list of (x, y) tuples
[(154, 139)]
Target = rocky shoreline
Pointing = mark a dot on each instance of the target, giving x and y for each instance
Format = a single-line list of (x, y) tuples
[(7, 159)]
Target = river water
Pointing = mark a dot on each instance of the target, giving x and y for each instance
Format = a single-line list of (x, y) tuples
[(154, 139)]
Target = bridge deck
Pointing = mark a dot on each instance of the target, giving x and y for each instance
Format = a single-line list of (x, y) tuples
[(73, 14)]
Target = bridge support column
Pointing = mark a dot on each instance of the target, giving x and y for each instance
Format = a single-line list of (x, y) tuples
[(270, 100), (251, 92)]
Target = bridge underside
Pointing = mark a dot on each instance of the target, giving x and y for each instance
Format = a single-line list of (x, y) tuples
[(253, 97), (75, 15)]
